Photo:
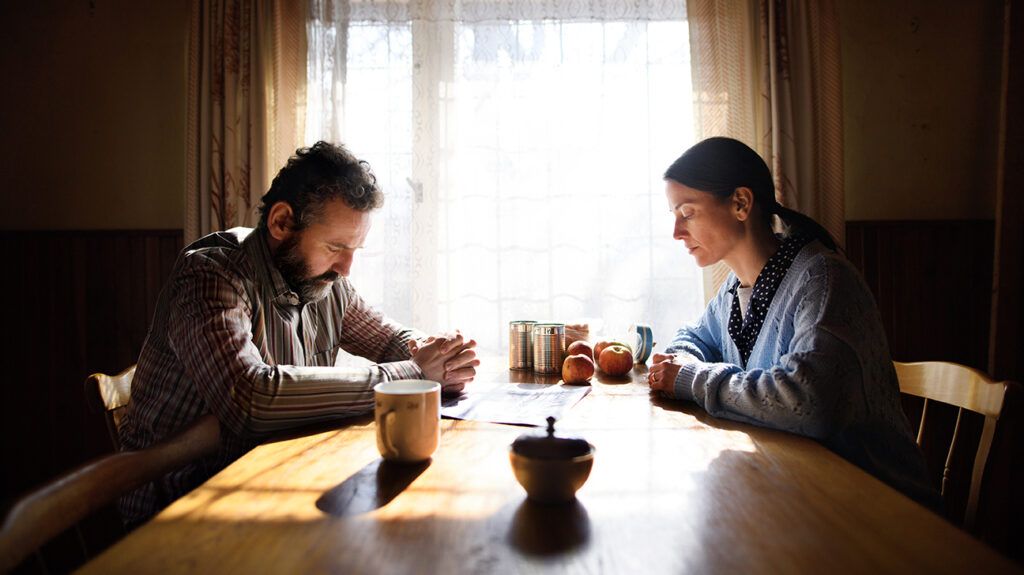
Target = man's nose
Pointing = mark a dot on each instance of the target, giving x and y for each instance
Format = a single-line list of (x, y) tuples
[(343, 264)]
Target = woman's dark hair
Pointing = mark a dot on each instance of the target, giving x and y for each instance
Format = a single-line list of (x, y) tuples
[(720, 165), (318, 174)]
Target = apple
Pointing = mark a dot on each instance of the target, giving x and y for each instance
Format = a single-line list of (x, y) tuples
[(580, 347), (577, 368), (605, 343), (616, 360)]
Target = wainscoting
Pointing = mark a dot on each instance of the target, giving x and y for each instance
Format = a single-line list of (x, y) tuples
[(74, 303), (933, 284)]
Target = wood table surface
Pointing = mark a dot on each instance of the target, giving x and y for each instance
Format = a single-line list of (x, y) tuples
[(672, 490)]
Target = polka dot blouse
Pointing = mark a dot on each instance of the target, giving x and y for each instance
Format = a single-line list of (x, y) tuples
[(744, 328)]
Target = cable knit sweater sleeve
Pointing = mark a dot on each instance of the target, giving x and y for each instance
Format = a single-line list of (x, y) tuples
[(800, 390)]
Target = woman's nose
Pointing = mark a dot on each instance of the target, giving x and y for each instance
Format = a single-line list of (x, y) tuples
[(679, 229)]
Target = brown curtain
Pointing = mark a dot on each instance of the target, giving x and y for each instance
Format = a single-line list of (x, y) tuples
[(767, 72), (802, 99), (246, 106)]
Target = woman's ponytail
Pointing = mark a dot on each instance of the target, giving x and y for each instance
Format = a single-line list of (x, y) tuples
[(806, 225)]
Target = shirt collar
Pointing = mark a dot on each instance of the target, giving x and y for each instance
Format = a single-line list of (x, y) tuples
[(789, 248), (782, 259), (259, 250)]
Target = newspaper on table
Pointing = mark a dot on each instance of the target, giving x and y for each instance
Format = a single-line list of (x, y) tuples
[(513, 403)]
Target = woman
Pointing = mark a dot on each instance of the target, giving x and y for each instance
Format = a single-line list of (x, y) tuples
[(792, 340)]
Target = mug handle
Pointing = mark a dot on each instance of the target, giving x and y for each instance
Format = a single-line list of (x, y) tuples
[(386, 420)]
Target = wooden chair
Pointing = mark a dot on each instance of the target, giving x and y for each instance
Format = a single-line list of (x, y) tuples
[(59, 505), (111, 392), (965, 388)]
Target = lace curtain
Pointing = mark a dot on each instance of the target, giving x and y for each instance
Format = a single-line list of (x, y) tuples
[(520, 146)]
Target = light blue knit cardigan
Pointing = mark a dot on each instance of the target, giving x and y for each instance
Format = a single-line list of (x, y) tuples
[(820, 367)]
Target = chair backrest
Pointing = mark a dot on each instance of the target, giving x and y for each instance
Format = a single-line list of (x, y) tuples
[(53, 508), (112, 393), (965, 388)]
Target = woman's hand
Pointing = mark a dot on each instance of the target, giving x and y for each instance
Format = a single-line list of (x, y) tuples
[(663, 371)]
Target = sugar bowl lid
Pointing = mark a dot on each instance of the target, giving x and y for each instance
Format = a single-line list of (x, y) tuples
[(548, 446)]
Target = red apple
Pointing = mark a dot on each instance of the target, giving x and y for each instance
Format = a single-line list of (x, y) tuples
[(603, 344), (577, 369), (580, 347), (616, 360)]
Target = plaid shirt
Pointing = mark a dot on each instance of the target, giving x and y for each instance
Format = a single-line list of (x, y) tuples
[(229, 337)]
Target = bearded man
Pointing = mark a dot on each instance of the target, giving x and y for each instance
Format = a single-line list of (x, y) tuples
[(249, 326)]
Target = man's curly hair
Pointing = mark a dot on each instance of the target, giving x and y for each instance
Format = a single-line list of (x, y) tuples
[(317, 174)]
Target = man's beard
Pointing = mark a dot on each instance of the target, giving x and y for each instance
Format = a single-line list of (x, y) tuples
[(296, 272)]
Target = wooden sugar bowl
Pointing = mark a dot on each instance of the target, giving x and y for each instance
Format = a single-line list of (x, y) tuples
[(551, 469)]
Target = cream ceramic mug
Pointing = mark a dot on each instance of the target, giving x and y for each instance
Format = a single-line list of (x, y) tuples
[(408, 417)]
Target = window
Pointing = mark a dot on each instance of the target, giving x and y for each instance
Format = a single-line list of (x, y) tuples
[(520, 146)]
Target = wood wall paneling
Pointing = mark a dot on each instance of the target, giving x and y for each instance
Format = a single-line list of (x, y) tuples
[(76, 302), (932, 281)]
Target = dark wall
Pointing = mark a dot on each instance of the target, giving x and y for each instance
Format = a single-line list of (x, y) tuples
[(932, 281), (76, 302), (920, 77), (94, 114)]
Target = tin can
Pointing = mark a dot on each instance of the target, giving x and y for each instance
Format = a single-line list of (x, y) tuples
[(548, 347), (520, 344)]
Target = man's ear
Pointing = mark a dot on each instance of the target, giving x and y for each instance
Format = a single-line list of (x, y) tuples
[(280, 221), (742, 203)]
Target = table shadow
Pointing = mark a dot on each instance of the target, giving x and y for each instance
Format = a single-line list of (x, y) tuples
[(546, 530), (372, 487), (453, 400), (608, 379)]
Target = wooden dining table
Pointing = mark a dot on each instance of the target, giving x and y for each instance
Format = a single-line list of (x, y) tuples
[(672, 490)]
